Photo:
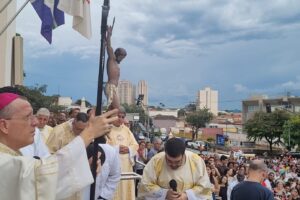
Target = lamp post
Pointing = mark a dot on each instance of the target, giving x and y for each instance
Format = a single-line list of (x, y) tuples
[(226, 122), (289, 136)]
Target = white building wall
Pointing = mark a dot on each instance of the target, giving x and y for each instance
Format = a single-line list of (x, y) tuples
[(208, 98), (65, 101), (6, 42), (125, 92), (143, 89), (153, 113)]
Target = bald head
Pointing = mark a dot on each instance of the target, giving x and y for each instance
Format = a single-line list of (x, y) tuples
[(257, 165), (17, 124)]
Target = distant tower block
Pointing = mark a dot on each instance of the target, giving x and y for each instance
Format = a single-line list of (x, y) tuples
[(143, 90), (208, 98)]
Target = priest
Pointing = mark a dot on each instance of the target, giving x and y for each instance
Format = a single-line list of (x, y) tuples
[(55, 177), (175, 174)]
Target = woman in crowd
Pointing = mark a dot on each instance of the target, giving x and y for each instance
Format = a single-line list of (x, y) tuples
[(141, 160), (223, 185), (279, 191), (294, 195), (214, 182), (230, 175)]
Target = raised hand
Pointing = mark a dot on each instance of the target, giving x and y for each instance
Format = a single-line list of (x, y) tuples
[(99, 126)]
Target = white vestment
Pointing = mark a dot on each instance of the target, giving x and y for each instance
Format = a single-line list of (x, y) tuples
[(109, 176), (45, 132), (37, 148), (55, 177), (191, 178)]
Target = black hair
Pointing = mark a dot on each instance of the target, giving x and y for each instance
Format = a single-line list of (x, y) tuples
[(73, 109), (223, 157), (174, 147), (221, 178), (83, 117), (240, 177), (89, 110)]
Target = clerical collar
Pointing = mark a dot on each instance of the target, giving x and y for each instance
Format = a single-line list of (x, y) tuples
[(118, 127), (7, 150)]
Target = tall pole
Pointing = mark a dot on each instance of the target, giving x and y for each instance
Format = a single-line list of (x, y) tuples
[(13, 17), (226, 128), (148, 122), (289, 136), (105, 11)]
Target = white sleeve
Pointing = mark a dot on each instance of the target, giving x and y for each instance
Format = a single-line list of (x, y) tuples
[(229, 189), (148, 187), (192, 196), (41, 150), (73, 169), (114, 176), (37, 148)]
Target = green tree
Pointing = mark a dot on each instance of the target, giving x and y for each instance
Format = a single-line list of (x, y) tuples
[(190, 107), (291, 131), (268, 126), (36, 96), (199, 119), (181, 113)]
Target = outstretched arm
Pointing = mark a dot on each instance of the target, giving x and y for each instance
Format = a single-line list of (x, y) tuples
[(110, 50)]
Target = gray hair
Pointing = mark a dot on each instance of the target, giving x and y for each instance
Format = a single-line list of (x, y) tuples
[(6, 112), (122, 110), (156, 139), (43, 111)]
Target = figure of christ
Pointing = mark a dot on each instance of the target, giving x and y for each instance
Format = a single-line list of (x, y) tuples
[(113, 71)]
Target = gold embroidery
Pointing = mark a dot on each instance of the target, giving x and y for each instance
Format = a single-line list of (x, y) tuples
[(7, 150)]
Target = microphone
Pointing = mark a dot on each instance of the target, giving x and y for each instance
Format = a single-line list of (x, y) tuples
[(173, 185)]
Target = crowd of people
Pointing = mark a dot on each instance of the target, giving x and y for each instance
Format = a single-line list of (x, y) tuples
[(167, 169), (281, 175)]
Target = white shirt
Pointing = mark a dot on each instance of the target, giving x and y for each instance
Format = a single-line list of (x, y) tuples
[(109, 176), (268, 184), (230, 188), (37, 148)]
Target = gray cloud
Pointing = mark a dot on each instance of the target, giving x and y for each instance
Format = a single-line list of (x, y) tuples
[(173, 28), (238, 47)]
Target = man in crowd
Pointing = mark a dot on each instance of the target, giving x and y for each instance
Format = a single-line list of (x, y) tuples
[(73, 113), (43, 115), (155, 149), (223, 167), (38, 148), (55, 177), (251, 189), (185, 167), (123, 138), (270, 181), (61, 118), (64, 133)]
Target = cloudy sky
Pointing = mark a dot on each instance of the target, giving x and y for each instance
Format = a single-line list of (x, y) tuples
[(238, 47)]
